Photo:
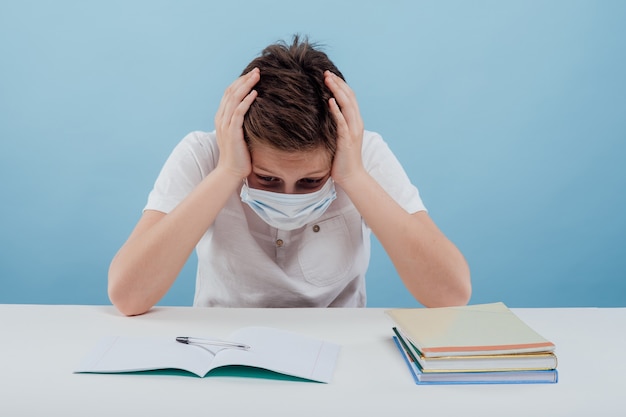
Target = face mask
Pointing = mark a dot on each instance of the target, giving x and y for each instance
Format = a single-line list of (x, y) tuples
[(289, 211)]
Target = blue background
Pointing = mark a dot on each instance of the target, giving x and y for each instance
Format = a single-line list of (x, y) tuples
[(510, 116)]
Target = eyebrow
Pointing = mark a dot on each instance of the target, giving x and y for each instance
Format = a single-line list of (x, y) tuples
[(316, 174)]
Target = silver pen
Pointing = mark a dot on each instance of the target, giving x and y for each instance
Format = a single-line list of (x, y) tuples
[(212, 342)]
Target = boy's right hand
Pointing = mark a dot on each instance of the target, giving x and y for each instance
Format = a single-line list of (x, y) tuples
[(234, 153)]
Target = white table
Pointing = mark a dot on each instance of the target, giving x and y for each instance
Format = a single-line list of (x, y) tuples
[(41, 345)]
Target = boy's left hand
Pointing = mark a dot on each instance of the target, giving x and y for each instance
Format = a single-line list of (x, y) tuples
[(345, 109)]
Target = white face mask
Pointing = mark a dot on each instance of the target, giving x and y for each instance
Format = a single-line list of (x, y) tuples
[(289, 211)]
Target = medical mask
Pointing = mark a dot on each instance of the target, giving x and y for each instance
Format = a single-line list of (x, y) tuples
[(289, 211)]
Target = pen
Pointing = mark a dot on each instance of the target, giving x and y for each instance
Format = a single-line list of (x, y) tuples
[(221, 343)]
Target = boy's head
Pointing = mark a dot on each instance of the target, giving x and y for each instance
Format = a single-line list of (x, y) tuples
[(290, 112)]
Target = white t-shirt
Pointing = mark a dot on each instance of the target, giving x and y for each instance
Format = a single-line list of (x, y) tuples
[(244, 262)]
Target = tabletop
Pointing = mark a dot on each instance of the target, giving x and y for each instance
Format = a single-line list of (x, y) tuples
[(41, 345)]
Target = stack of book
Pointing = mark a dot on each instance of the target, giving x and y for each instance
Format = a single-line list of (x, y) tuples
[(482, 343)]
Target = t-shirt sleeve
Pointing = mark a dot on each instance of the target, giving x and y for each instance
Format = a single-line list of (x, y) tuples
[(191, 160), (385, 168)]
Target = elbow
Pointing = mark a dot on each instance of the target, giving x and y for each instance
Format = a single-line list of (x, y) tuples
[(463, 292), (451, 298), (460, 290), (124, 304), (457, 291), (121, 297)]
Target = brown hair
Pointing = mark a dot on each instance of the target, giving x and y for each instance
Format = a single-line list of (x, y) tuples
[(290, 112)]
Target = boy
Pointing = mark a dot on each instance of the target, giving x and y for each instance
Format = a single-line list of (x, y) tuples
[(280, 200)]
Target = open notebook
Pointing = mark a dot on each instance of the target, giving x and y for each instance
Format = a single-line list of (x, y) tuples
[(271, 349)]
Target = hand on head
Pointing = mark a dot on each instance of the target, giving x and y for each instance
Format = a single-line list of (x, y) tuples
[(345, 110), (234, 153)]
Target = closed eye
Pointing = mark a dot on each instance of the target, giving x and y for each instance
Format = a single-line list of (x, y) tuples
[(310, 183), (267, 179), (311, 180)]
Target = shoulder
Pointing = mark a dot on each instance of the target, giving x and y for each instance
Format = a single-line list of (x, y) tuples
[(375, 150), (373, 143), (383, 165), (371, 138), (197, 148), (200, 142)]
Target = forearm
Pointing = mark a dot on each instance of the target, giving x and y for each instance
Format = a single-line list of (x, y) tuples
[(147, 265), (431, 267)]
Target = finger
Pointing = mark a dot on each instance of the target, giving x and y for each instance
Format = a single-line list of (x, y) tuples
[(342, 92), (345, 98), (340, 88), (241, 110), (235, 93), (342, 125)]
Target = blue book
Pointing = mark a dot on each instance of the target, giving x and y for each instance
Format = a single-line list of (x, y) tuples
[(497, 377)]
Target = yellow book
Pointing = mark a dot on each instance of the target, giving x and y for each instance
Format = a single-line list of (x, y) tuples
[(480, 329), (534, 361)]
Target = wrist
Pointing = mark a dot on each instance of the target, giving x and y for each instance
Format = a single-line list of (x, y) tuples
[(229, 178), (353, 180)]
